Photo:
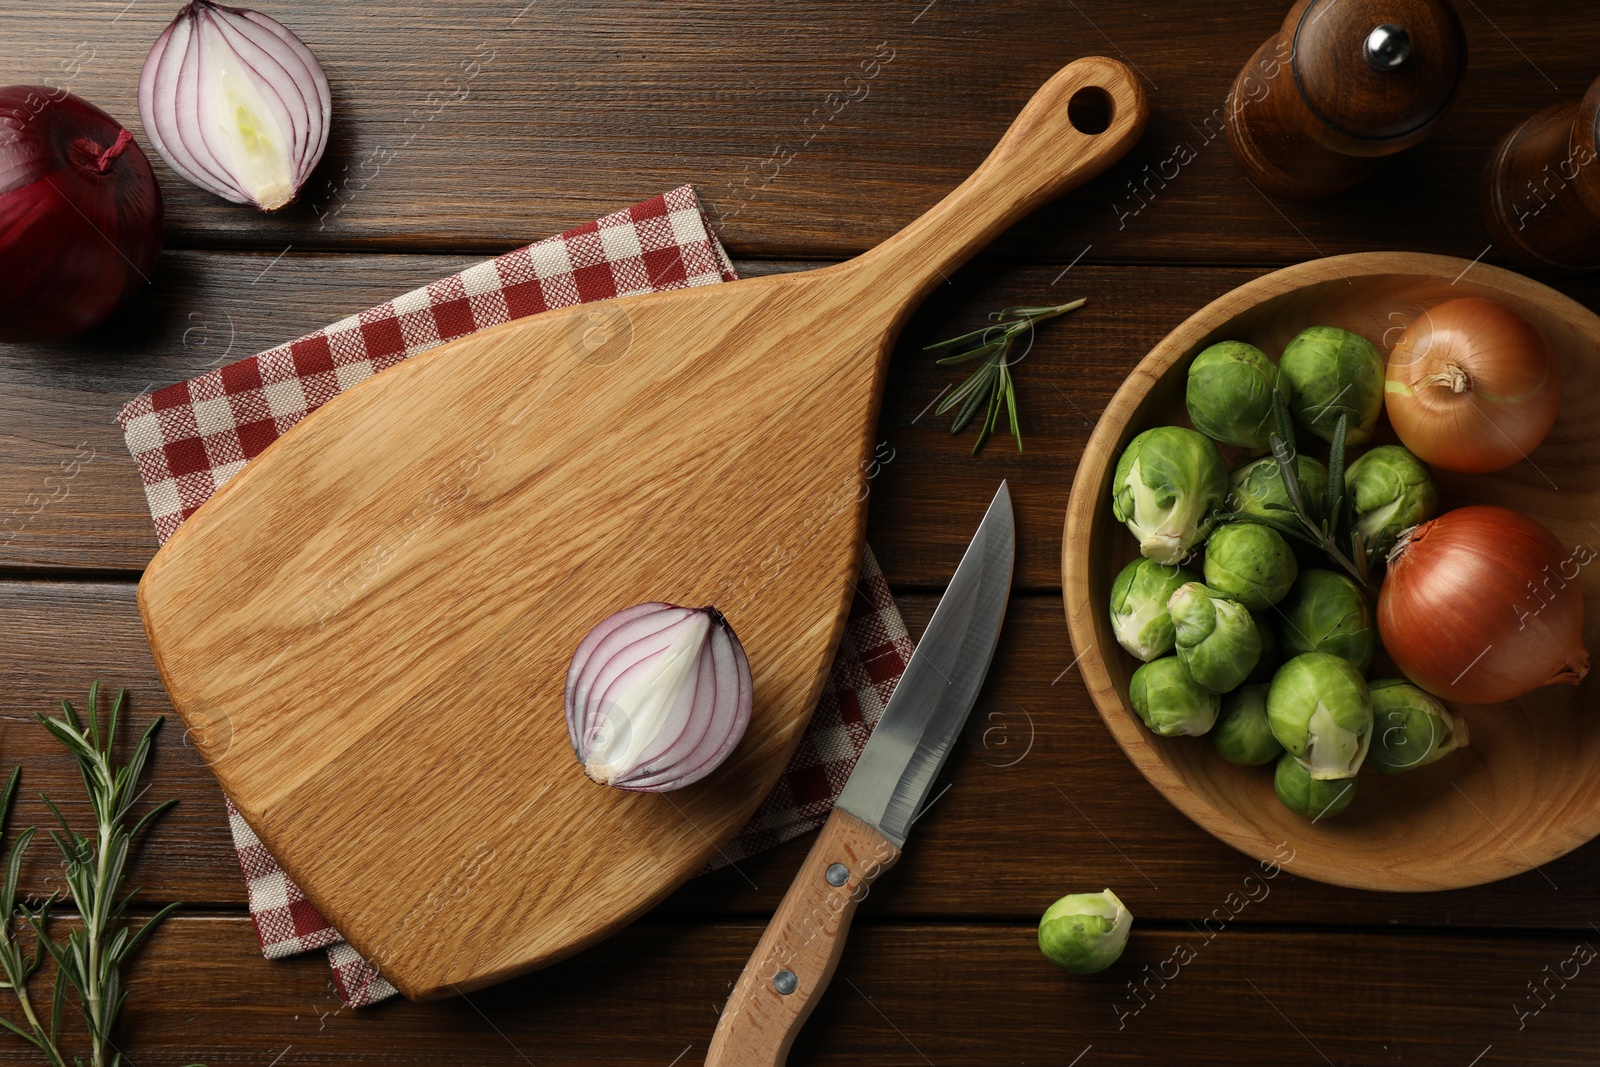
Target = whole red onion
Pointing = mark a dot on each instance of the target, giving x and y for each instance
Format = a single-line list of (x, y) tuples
[(80, 214)]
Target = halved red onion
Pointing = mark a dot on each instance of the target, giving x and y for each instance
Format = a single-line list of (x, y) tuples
[(657, 697), (235, 103)]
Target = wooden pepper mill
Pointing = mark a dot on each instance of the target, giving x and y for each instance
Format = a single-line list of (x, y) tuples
[(1343, 84), (1541, 188)]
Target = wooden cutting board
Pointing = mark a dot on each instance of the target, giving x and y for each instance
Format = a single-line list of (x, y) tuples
[(367, 631)]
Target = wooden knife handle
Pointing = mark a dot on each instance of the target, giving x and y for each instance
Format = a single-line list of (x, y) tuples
[(795, 959)]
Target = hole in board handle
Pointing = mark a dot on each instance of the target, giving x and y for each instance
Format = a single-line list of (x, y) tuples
[(1089, 110)]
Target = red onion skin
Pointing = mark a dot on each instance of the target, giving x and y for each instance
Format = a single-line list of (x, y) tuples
[(1482, 605), (80, 214)]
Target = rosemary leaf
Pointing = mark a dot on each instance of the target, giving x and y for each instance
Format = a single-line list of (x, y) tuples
[(1336, 464), (1280, 417), (982, 350), (1283, 452), (1011, 410), (974, 400)]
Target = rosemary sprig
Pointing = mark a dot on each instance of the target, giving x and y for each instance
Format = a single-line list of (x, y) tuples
[(991, 386), (1334, 534), (89, 961)]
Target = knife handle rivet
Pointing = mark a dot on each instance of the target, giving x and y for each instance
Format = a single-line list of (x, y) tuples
[(837, 874), (785, 982)]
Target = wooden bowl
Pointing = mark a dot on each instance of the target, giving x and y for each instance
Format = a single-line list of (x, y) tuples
[(1527, 789)]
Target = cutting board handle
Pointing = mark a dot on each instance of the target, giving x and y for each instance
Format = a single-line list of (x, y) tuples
[(1042, 155)]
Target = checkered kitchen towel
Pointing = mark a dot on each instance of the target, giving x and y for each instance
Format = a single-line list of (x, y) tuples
[(191, 437)]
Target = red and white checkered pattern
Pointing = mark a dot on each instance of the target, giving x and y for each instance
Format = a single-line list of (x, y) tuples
[(190, 438)]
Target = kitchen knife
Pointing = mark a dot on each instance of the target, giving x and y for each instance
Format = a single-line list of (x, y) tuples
[(883, 797)]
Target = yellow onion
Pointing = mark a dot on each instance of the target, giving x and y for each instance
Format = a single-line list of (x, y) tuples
[(1482, 605), (1472, 386)]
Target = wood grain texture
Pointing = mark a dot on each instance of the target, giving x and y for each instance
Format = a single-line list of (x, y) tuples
[(204, 310), (584, 108), (1533, 762), (905, 996), (408, 570), (1041, 798), (801, 946), (588, 107)]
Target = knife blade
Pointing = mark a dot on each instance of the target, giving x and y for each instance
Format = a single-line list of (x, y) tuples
[(883, 797)]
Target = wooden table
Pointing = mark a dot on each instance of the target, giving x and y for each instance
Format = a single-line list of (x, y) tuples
[(580, 108)]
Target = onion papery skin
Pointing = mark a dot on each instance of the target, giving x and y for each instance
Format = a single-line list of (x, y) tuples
[(1472, 386), (236, 103), (1482, 605), (80, 214), (657, 697)]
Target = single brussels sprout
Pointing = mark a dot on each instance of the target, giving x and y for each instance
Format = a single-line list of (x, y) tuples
[(1242, 734), (1271, 653), (1320, 713), (1084, 933), (1216, 637), (1229, 394), (1169, 484), (1332, 372), (1315, 798), (1170, 702), (1250, 563), (1410, 728), (1139, 614), (1327, 612), (1390, 490), (1257, 488)]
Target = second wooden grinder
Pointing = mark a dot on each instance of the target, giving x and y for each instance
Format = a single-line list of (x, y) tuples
[(1541, 193), (1343, 84)]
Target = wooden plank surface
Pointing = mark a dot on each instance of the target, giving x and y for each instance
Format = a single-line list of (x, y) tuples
[(519, 118), (70, 494), (1041, 801), (475, 127), (904, 995)]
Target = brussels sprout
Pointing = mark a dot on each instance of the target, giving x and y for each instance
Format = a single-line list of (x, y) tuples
[(1242, 734), (1169, 484), (1169, 701), (1332, 372), (1410, 728), (1312, 797), (1257, 488), (1216, 637), (1139, 598), (1390, 490), (1084, 933), (1271, 653), (1327, 612), (1319, 711), (1250, 563), (1230, 394)]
